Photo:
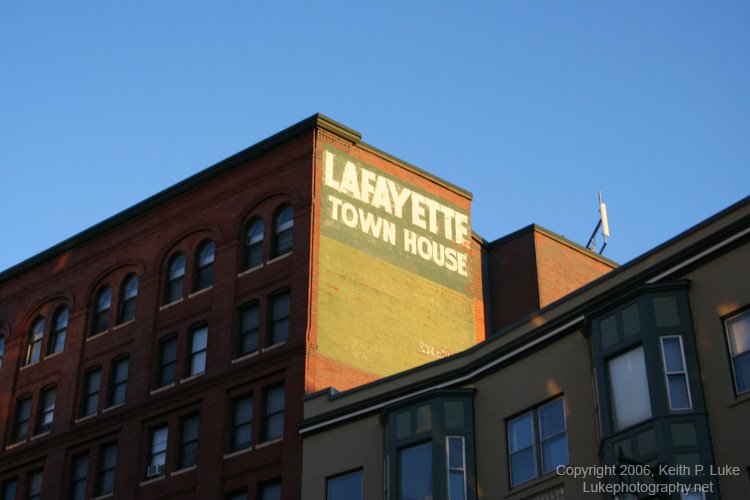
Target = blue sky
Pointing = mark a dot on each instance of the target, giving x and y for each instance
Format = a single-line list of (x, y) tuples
[(531, 105)]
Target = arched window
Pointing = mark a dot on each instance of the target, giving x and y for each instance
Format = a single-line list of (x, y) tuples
[(101, 316), (204, 268), (283, 224), (34, 350), (254, 244), (173, 290), (128, 293), (59, 329)]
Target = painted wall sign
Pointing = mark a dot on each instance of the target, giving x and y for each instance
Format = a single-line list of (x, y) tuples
[(366, 207)]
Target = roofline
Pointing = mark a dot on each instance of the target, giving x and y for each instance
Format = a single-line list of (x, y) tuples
[(317, 120), (720, 240)]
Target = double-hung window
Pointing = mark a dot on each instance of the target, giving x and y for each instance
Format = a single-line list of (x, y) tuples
[(118, 381), (242, 423), (254, 244), (34, 485), (101, 316), (738, 334), (157, 452), (678, 388), (90, 396), (537, 442), (167, 361), (273, 404), (59, 329), (279, 327), (187, 451), (46, 410), (175, 279), (79, 476), (21, 420), (34, 350), (128, 294), (197, 356), (204, 267), (283, 223), (105, 469), (249, 326)]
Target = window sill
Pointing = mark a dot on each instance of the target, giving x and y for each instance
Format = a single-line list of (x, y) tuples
[(250, 270), (201, 291), (238, 452), (102, 497), (40, 435), (97, 335), (28, 365), (245, 357), (192, 377), (126, 323), (151, 481), (85, 418), (113, 407), (161, 389), (274, 346), (15, 445), (53, 354), (173, 303), (741, 399), (185, 470), (278, 258), (268, 443)]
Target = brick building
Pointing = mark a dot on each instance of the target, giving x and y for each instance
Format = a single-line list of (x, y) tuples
[(165, 352)]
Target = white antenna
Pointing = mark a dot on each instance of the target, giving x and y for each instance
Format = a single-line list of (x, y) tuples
[(603, 223)]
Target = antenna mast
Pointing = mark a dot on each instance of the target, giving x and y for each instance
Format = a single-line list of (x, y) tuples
[(604, 224)]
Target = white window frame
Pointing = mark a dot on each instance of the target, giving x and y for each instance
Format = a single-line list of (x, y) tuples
[(448, 468)]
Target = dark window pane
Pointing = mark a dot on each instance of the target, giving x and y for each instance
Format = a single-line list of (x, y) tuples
[(672, 354), (522, 466), (279, 318), (8, 489), (243, 423), (21, 423), (118, 381), (90, 400), (271, 491), (167, 361), (34, 350), (554, 453), (103, 304), (415, 472), (188, 450), (2, 349), (552, 418), (106, 469), (678, 392), (345, 487), (175, 279), (455, 453), (742, 372), (457, 485), (46, 409), (198, 345), (128, 294), (236, 495), (204, 270), (254, 245), (78, 477), (34, 485), (59, 329), (274, 406), (249, 323), (283, 229), (158, 446)]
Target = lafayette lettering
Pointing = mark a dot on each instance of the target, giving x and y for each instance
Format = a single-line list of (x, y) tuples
[(385, 196)]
